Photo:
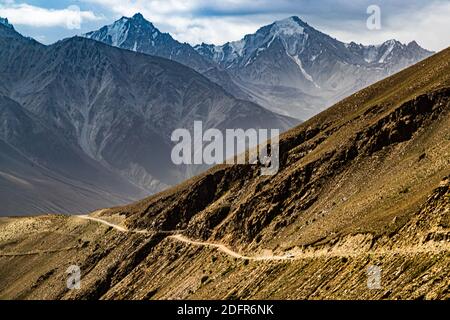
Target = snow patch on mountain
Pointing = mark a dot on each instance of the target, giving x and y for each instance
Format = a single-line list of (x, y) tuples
[(298, 62), (118, 32), (287, 27), (138, 34), (238, 47), (391, 44)]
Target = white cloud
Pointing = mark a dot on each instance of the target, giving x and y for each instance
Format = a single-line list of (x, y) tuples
[(196, 21), (428, 26), (181, 19), (24, 14), (209, 30)]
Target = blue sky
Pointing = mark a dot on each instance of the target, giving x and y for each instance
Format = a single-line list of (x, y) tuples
[(195, 21)]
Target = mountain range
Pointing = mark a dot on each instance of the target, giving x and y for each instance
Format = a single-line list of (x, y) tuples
[(138, 34), (288, 67), (86, 125)]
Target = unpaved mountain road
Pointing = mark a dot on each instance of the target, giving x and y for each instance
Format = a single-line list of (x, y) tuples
[(181, 238), (230, 252), (294, 255), (115, 226), (124, 229)]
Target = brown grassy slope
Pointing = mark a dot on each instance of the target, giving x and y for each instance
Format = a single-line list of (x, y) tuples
[(35, 253), (414, 265)]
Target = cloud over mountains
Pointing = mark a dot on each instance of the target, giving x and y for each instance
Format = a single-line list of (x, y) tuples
[(217, 22)]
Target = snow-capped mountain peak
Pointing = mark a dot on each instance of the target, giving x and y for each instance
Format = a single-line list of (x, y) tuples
[(291, 33), (387, 48), (290, 26), (278, 65), (122, 30), (118, 31), (389, 52), (140, 35)]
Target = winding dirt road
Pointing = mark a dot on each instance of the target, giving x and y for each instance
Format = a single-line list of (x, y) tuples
[(115, 226), (175, 235), (181, 238), (230, 252)]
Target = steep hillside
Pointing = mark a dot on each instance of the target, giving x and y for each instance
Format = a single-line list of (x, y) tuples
[(364, 184), (34, 175)]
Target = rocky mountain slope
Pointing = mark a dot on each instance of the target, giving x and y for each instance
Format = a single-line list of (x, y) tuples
[(288, 66), (137, 34), (292, 68), (140, 35), (363, 184), (90, 125)]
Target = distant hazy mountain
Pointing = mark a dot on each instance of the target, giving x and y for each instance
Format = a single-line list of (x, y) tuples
[(86, 125), (288, 66)]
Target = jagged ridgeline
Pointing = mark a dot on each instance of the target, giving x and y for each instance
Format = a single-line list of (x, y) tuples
[(288, 66), (362, 186)]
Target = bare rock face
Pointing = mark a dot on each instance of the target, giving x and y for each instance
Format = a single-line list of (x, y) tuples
[(139, 35)]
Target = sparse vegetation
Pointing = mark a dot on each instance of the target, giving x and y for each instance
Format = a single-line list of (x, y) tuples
[(404, 190)]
